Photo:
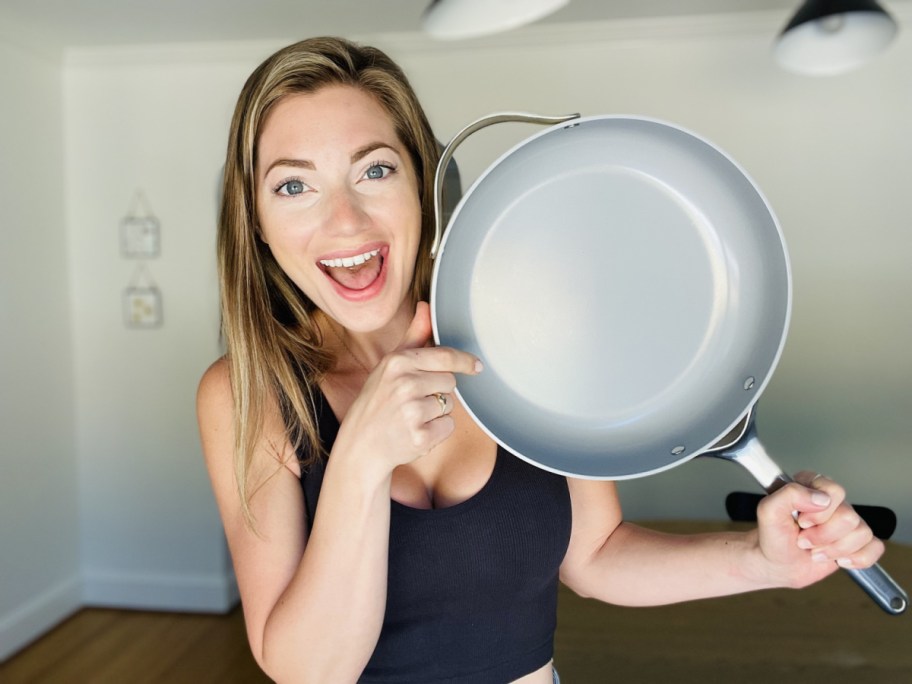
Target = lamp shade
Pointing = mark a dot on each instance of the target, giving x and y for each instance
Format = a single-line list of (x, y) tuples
[(455, 19), (827, 37)]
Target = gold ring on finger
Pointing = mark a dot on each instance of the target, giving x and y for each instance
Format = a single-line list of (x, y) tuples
[(442, 400)]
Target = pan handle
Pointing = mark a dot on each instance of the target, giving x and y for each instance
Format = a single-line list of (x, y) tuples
[(447, 154), (747, 450)]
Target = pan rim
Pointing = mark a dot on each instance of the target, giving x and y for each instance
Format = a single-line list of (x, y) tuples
[(760, 382)]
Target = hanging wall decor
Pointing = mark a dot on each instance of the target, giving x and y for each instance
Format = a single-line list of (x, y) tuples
[(142, 301), (140, 231), (140, 238)]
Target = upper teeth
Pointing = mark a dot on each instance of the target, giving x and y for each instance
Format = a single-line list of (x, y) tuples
[(348, 262)]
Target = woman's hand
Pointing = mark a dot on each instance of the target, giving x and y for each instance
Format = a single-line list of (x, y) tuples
[(806, 531), (397, 417)]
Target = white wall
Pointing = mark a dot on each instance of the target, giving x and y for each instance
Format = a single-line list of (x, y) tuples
[(39, 553), (831, 155), (153, 122)]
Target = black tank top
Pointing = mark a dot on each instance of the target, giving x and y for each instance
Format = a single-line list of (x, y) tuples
[(472, 594)]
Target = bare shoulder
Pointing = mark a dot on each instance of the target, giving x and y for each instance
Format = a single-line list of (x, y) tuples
[(214, 386), (216, 417), (215, 410)]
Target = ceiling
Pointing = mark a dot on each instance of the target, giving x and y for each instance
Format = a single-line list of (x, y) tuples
[(84, 23)]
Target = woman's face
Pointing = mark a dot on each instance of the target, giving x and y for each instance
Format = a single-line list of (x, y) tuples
[(337, 202)]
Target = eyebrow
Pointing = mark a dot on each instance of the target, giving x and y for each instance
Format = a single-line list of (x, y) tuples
[(356, 156), (362, 152), (297, 163)]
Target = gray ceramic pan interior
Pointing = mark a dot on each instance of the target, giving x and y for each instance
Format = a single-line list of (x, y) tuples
[(628, 289)]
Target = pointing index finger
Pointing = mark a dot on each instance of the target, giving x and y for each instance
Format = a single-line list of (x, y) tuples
[(446, 359)]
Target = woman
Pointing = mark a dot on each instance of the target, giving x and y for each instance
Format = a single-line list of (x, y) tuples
[(377, 533)]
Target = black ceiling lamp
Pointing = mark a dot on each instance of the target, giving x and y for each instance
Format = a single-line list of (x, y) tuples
[(827, 37)]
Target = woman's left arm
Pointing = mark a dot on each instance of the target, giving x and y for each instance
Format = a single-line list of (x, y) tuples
[(625, 564)]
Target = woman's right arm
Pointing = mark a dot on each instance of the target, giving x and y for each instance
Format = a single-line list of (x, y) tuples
[(314, 605), (314, 616)]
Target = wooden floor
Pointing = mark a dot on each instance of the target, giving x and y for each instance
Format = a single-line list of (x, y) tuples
[(98, 646), (829, 633)]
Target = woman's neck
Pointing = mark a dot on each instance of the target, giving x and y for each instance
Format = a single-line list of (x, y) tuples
[(362, 351)]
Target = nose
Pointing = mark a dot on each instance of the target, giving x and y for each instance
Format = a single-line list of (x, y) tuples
[(347, 215)]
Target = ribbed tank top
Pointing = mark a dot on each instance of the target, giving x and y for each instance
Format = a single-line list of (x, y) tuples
[(472, 588)]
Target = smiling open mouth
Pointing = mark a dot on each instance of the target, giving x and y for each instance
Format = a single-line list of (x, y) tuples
[(356, 272)]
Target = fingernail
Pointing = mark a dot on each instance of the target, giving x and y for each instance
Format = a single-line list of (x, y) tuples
[(804, 543), (820, 499), (479, 366), (844, 562), (819, 557)]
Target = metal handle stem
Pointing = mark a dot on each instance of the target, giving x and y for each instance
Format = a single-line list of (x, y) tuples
[(447, 154)]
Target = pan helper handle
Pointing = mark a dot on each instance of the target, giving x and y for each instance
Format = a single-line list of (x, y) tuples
[(447, 154), (748, 451)]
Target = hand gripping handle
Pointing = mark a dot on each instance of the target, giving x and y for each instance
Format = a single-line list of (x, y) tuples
[(747, 451)]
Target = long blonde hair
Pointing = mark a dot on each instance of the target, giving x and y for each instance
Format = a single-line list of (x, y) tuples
[(274, 347)]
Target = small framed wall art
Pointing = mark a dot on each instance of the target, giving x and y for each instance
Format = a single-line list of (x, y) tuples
[(140, 231), (142, 307), (140, 237)]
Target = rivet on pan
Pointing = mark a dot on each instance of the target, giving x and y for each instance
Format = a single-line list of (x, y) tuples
[(749, 383), (678, 450)]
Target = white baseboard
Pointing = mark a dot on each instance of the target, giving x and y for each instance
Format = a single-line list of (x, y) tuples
[(182, 593), (36, 616)]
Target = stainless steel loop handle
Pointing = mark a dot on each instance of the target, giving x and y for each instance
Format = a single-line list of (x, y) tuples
[(447, 154)]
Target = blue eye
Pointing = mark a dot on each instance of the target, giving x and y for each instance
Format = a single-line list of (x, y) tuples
[(378, 171), (292, 187)]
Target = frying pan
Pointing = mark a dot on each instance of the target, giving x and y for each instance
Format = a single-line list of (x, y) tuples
[(629, 291)]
